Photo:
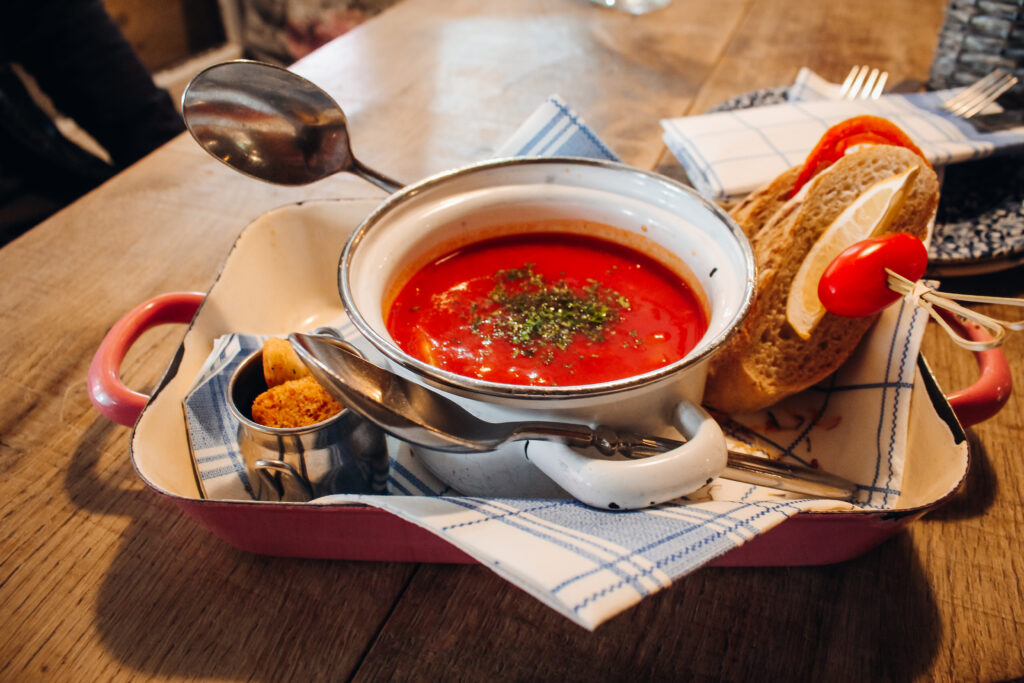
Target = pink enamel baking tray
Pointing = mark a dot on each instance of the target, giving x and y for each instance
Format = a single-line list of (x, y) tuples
[(297, 287)]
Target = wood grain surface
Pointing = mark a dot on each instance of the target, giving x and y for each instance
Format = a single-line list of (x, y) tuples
[(100, 579)]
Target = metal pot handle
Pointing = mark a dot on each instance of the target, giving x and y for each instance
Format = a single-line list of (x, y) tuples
[(287, 484), (635, 484)]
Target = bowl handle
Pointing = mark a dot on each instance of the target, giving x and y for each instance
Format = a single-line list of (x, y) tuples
[(106, 390), (633, 484), (991, 390)]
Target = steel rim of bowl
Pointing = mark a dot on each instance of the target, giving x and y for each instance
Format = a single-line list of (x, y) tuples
[(462, 383)]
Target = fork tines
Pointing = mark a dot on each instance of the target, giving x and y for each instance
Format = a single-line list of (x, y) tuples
[(982, 93), (863, 82)]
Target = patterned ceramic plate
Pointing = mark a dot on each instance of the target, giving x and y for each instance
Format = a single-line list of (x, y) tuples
[(756, 98), (980, 223)]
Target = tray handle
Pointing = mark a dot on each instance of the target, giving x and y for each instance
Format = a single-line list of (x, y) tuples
[(990, 392), (973, 404), (107, 392)]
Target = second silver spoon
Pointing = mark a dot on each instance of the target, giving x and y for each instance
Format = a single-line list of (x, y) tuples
[(424, 417)]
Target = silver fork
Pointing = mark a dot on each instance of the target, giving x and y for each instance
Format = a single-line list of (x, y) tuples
[(863, 83), (979, 95)]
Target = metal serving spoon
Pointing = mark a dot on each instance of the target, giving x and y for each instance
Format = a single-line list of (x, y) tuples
[(271, 124), (423, 417)]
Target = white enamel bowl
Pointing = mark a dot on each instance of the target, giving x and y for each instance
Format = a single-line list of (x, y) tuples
[(649, 212)]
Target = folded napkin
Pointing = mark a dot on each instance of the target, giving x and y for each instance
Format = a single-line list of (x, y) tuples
[(729, 153), (590, 564)]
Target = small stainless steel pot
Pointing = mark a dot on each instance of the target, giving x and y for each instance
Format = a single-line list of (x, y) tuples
[(342, 454)]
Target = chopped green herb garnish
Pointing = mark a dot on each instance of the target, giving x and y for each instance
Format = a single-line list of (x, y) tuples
[(533, 314)]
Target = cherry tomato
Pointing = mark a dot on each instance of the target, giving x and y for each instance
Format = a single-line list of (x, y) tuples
[(854, 284), (849, 133)]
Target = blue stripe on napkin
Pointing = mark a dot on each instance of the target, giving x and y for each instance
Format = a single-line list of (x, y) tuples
[(554, 129)]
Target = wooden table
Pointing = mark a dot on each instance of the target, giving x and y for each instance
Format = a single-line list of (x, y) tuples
[(100, 579)]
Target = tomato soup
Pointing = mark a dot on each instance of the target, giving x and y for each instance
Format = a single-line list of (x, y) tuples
[(546, 308)]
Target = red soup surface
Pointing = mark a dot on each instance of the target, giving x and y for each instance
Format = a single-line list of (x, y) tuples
[(546, 308)]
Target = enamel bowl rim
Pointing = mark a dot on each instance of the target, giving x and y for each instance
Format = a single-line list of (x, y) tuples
[(461, 383)]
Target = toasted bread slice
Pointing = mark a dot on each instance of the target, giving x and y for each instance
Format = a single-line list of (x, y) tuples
[(766, 360)]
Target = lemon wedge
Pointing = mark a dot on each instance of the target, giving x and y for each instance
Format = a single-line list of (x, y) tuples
[(870, 214)]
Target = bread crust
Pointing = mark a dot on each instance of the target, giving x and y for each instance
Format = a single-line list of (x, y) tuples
[(754, 212), (766, 360)]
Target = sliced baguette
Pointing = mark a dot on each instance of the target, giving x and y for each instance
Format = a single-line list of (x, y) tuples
[(766, 360)]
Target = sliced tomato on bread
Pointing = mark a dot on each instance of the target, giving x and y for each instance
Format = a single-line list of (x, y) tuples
[(860, 130)]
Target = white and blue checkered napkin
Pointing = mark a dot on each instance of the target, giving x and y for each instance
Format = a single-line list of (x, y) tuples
[(590, 564), (728, 154), (554, 129)]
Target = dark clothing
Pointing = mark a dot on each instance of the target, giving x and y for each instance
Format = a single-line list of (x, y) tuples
[(80, 59)]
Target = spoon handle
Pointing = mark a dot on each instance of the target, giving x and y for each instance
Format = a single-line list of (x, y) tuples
[(752, 469), (385, 183)]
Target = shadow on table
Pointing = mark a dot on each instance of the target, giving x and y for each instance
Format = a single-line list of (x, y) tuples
[(176, 601), (979, 489), (873, 618)]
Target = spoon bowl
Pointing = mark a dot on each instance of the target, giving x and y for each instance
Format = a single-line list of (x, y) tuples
[(271, 124)]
